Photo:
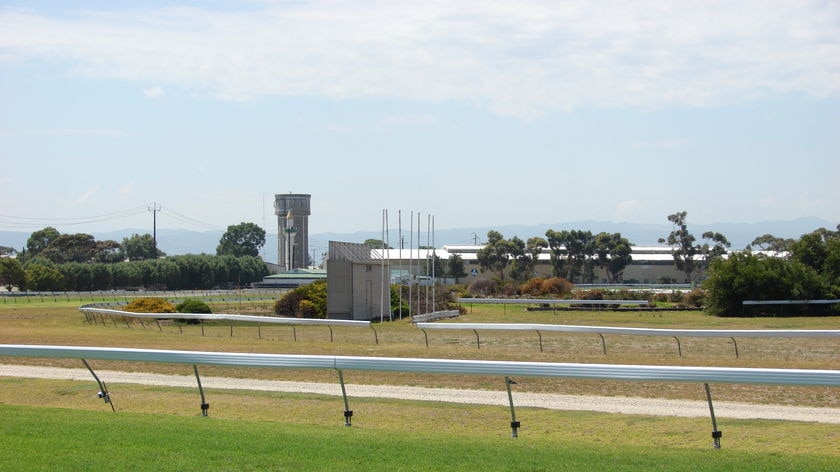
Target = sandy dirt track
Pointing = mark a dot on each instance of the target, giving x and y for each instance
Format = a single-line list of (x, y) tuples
[(622, 405)]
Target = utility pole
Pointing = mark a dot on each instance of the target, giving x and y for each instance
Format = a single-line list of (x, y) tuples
[(155, 208)]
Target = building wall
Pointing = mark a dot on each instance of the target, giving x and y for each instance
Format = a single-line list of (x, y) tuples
[(354, 283)]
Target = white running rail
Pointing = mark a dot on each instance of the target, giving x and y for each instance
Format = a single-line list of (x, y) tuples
[(737, 375)]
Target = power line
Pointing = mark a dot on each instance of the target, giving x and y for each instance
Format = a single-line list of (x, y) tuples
[(26, 221), (15, 221)]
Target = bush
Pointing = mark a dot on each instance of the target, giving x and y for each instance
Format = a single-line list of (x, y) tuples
[(150, 305), (315, 296), (557, 286), (533, 287), (483, 287), (694, 298), (193, 306)]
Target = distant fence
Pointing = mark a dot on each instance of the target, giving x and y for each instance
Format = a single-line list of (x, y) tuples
[(706, 375), (602, 330), (548, 301), (230, 298), (92, 312), (782, 303)]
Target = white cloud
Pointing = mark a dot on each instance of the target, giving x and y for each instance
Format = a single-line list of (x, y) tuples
[(155, 92), (520, 59), (87, 194)]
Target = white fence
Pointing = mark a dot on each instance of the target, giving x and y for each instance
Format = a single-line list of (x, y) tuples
[(230, 318), (602, 330), (507, 369)]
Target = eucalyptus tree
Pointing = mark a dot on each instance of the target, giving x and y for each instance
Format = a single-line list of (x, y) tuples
[(691, 257), (614, 254), (495, 255), (572, 254)]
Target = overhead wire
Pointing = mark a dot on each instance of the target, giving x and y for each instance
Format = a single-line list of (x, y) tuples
[(14, 221)]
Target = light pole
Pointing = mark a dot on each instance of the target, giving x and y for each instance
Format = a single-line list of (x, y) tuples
[(290, 232)]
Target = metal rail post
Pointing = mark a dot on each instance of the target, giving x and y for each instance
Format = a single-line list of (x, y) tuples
[(204, 405), (514, 425), (348, 413), (716, 434), (603, 343), (737, 354), (103, 390)]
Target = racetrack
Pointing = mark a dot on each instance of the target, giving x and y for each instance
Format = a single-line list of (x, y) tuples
[(621, 405)]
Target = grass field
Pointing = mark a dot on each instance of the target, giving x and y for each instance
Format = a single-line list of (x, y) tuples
[(59, 425)]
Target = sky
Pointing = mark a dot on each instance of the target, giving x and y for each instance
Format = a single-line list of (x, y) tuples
[(480, 113)]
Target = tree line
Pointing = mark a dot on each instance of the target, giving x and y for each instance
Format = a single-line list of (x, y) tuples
[(52, 261), (770, 268)]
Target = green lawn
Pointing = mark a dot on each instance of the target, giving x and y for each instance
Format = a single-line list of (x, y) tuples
[(58, 440)]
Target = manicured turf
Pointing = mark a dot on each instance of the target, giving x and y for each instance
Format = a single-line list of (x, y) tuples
[(34, 438)]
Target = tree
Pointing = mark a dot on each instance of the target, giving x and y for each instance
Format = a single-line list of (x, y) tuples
[(376, 244), (12, 274), (108, 251), (559, 254), (495, 255), (43, 278), (747, 276), (244, 239), (690, 257), (7, 251), (40, 240), (77, 247), (455, 267), (614, 254), (572, 254), (140, 247), (682, 245), (768, 242)]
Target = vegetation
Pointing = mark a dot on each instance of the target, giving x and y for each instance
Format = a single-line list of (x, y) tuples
[(141, 247), (691, 257), (811, 271), (12, 273), (244, 239), (60, 439), (192, 305), (150, 305), (306, 301), (55, 262)]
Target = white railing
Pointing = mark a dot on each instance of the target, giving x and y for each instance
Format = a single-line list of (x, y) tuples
[(544, 301), (738, 375), (231, 318), (705, 375), (602, 330)]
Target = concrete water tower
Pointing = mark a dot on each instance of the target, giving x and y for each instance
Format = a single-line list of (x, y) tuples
[(292, 210)]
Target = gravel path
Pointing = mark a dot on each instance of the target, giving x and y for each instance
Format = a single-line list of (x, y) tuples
[(623, 405)]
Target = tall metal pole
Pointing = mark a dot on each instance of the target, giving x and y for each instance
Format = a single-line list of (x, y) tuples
[(155, 208)]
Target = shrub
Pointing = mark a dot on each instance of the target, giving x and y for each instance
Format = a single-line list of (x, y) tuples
[(694, 298), (533, 287), (193, 306), (483, 287), (557, 286), (315, 296), (150, 305)]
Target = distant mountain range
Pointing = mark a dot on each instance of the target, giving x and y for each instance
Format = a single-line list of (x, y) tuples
[(181, 241)]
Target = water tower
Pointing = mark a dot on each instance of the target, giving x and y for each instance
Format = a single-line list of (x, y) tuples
[(292, 210)]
